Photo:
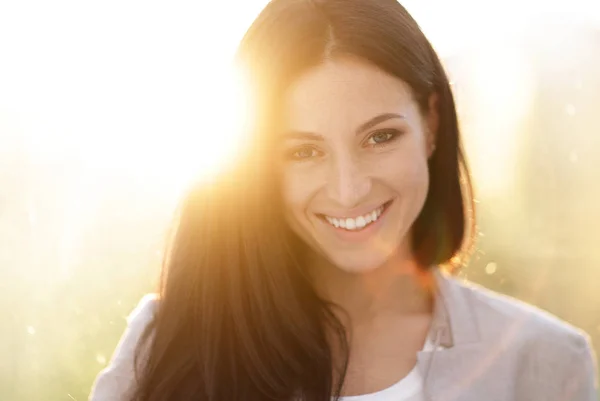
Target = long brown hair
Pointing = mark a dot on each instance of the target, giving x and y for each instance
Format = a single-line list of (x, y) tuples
[(238, 318)]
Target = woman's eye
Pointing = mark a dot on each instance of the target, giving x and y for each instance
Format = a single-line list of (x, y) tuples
[(381, 137), (303, 153)]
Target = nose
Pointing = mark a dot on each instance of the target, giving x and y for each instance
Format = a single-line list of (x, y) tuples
[(347, 184)]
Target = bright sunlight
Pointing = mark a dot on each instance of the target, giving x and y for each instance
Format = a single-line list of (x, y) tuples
[(140, 89)]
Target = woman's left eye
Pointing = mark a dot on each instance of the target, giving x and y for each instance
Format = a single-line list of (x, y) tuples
[(381, 137)]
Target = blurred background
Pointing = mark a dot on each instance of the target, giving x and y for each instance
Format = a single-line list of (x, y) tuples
[(108, 109)]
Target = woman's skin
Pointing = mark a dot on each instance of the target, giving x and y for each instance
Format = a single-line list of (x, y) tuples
[(353, 140)]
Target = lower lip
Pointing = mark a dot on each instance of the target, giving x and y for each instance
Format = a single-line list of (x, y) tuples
[(362, 234)]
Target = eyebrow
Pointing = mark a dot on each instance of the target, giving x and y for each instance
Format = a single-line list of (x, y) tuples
[(377, 120), (362, 128)]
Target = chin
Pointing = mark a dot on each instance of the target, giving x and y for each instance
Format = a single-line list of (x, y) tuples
[(358, 264)]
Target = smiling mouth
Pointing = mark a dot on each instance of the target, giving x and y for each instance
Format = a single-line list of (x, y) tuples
[(356, 223)]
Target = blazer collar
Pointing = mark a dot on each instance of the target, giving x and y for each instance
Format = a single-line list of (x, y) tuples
[(453, 314)]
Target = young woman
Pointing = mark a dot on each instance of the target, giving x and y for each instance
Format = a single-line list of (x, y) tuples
[(320, 267)]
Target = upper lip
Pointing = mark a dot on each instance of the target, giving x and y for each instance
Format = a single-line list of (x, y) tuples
[(356, 212)]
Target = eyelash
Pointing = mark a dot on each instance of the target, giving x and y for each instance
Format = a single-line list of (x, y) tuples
[(393, 134)]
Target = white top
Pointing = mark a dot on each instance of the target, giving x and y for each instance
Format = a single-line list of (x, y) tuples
[(409, 388)]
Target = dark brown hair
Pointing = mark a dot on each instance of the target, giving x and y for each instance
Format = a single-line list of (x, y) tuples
[(238, 317)]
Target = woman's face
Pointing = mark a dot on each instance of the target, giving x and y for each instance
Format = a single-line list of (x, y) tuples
[(354, 149)]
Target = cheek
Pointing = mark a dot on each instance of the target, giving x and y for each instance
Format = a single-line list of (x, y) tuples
[(407, 172), (417, 185), (298, 189), (418, 172)]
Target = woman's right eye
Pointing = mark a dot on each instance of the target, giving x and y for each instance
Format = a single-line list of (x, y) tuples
[(303, 153)]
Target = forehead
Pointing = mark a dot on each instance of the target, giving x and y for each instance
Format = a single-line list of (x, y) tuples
[(343, 94)]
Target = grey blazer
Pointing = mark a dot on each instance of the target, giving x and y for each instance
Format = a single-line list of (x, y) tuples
[(490, 348)]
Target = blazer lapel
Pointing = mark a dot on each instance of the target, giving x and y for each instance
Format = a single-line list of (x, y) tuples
[(453, 370)]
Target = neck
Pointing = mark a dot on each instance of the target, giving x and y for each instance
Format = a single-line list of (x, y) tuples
[(398, 287)]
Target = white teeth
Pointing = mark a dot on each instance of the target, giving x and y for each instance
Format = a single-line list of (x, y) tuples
[(356, 223)]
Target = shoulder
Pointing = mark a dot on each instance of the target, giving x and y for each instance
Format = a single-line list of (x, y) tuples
[(144, 312), (116, 380), (545, 349), (497, 312)]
